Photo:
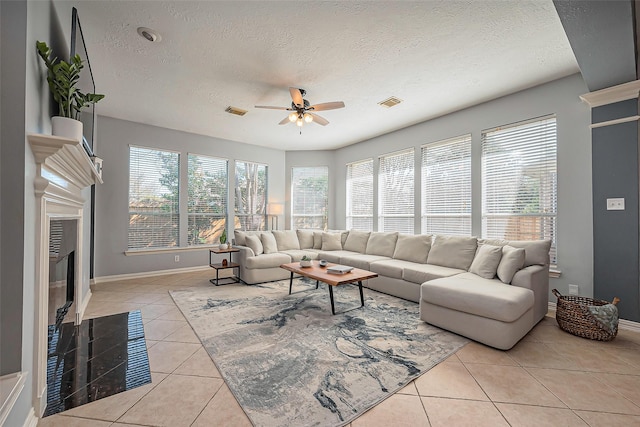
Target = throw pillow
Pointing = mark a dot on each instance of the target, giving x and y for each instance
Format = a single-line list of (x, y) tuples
[(485, 263), (317, 240), (305, 237), (254, 243), (331, 242), (413, 248), (382, 244), (269, 243), (357, 241), (453, 251), (286, 239), (512, 261)]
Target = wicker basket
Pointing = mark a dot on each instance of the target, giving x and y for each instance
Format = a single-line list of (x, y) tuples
[(573, 316)]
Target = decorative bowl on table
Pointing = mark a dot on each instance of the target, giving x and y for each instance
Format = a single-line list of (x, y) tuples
[(305, 263), (323, 263)]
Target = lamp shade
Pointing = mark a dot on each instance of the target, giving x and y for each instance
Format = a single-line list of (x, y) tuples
[(275, 209)]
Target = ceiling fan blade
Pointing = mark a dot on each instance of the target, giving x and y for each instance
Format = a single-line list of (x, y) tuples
[(319, 120), (327, 106), (285, 121), (270, 107), (296, 96)]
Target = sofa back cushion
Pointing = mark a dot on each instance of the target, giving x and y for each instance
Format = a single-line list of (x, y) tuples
[(512, 261), (253, 242), (413, 248), (383, 244), (485, 263), (453, 251), (269, 243), (241, 236), (357, 241), (536, 251), (343, 235), (305, 237), (331, 242), (286, 239)]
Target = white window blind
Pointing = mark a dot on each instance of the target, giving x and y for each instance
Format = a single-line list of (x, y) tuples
[(153, 198), (395, 192), (519, 182), (251, 196), (309, 188), (360, 195), (207, 199), (446, 187)]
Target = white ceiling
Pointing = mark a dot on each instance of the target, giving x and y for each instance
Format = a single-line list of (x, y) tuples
[(437, 56)]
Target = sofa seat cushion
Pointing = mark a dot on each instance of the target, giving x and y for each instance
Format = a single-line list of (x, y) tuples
[(334, 256), (361, 260), (390, 267), (297, 254), (267, 260), (472, 294), (420, 273)]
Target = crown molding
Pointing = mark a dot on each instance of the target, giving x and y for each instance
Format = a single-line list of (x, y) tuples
[(612, 94)]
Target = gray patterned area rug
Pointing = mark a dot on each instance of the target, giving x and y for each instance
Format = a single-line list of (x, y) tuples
[(289, 361)]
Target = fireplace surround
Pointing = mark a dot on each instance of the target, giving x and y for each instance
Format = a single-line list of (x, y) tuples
[(63, 171)]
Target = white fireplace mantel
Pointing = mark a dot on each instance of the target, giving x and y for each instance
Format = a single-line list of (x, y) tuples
[(63, 170)]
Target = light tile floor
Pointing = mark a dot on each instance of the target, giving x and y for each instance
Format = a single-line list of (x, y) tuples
[(549, 378)]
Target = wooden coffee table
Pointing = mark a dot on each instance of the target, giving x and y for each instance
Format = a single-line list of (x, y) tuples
[(319, 274)]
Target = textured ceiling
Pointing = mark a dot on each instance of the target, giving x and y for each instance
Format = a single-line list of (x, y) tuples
[(437, 56)]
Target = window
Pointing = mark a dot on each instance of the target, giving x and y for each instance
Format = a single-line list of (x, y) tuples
[(309, 188), (395, 190), (207, 200), (153, 198), (360, 195), (519, 182), (251, 196), (446, 187)]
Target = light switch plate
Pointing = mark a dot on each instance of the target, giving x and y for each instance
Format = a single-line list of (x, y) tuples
[(615, 204)]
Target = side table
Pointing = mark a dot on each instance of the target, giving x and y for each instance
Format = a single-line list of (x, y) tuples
[(220, 266)]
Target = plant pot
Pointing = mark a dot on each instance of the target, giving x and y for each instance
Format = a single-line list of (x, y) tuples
[(305, 264), (66, 128), (223, 246)]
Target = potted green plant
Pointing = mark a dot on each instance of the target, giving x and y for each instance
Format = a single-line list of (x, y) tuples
[(305, 261), (223, 240), (63, 77)]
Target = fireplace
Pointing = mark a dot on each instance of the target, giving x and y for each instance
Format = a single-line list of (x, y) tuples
[(62, 268), (63, 171)]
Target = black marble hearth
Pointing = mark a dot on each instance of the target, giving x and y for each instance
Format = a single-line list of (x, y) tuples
[(98, 358)]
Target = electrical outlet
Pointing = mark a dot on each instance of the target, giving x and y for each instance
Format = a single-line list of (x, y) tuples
[(574, 290), (177, 258), (615, 204)]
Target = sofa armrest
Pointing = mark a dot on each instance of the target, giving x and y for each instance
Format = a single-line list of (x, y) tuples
[(536, 278), (245, 252)]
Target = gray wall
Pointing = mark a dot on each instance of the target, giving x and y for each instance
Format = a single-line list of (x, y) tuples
[(575, 243), (310, 158), (112, 216)]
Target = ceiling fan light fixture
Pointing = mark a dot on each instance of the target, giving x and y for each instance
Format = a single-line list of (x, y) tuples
[(293, 117), (299, 122), (308, 117)]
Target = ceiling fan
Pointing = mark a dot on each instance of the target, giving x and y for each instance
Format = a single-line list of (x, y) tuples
[(302, 111)]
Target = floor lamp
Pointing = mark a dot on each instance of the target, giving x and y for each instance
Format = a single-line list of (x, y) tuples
[(274, 210)]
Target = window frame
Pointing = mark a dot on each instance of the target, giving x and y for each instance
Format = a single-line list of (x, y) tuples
[(349, 191), (237, 222), (384, 208), (324, 214)]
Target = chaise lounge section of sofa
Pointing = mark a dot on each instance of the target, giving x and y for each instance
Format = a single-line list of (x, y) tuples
[(492, 291)]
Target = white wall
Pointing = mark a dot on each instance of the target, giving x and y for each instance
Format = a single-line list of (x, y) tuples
[(112, 215), (575, 236)]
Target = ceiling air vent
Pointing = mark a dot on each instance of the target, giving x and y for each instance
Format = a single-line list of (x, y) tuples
[(236, 111), (390, 102)]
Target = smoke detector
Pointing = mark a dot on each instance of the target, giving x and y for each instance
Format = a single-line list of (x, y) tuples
[(149, 34)]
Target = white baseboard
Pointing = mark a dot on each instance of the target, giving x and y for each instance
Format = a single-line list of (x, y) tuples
[(11, 386), (83, 307), (627, 325), (118, 277), (32, 420)]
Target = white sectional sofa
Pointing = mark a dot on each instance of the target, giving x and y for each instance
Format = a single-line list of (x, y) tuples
[(492, 291)]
